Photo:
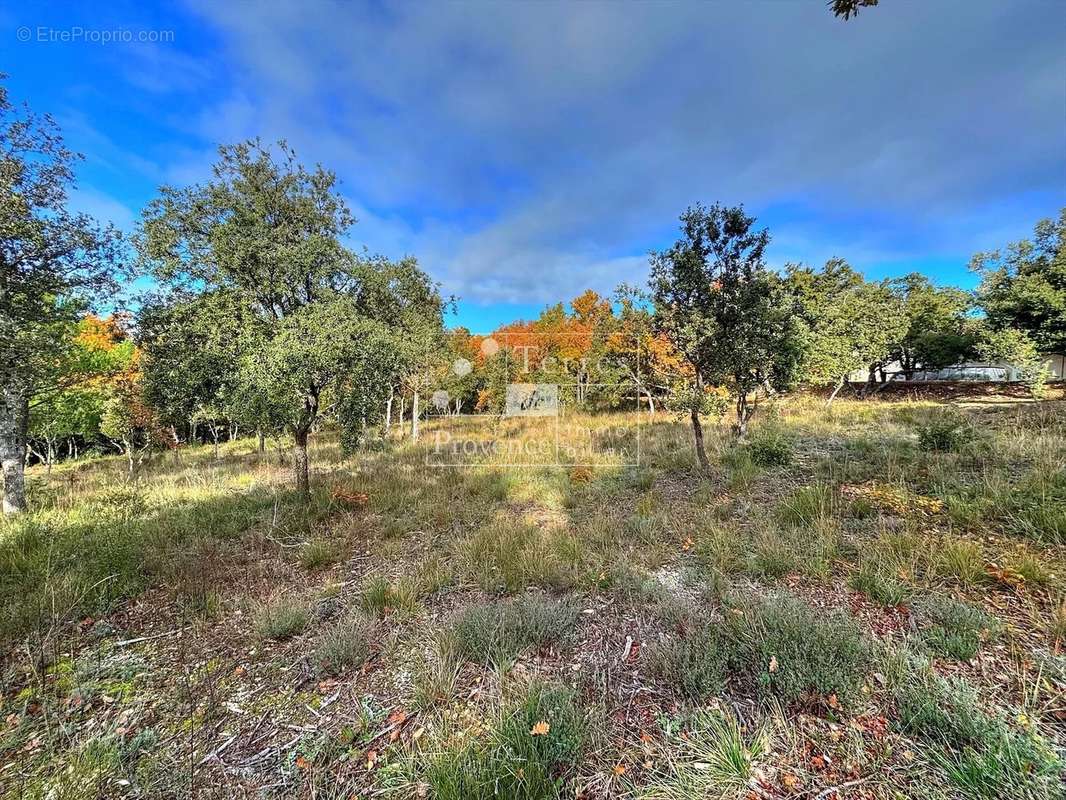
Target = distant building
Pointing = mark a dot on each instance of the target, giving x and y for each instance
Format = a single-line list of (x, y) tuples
[(971, 371)]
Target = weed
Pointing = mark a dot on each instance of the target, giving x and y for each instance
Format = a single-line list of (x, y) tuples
[(773, 557), (694, 664), (342, 647), (281, 619), (878, 586), (436, 676), (953, 628), (497, 632), (381, 598), (793, 653), (945, 432), (959, 559), (318, 553), (808, 506), (770, 447), (711, 755)]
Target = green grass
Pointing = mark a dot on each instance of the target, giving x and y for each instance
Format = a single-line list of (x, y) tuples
[(381, 597), (878, 586), (979, 752), (531, 754), (808, 506)]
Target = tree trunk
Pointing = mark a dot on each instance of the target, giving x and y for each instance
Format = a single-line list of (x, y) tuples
[(697, 432), (744, 412), (651, 401), (300, 466), (388, 415), (833, 396), (262, 441), (414, 418), (14, 422)]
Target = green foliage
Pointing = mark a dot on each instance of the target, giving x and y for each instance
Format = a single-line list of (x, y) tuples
[(318, 553), (382, 597), (878, 586), (794, 653), (497, 632), (722, 309), (710, 755), (778, 644), (517, 760), (770, 447), (980, 753), (694, 664), (939, 330), (947, 431), (808, 505), (1024, 288), (850, 323)]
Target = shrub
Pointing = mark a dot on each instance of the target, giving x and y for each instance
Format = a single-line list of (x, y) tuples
[(878, 586), (793, 653), (280, 619), (945, 432), (694, 664), (436, 675), (342, 647), (720, 550), (770, 447), (498, 631), (952, 628)]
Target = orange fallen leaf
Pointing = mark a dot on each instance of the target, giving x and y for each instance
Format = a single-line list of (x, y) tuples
[(833, 701), (619, 770), (371, 759), (302, 762), (540, 729)]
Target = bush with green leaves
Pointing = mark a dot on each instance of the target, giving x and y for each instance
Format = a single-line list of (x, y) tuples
[(948, 431), (953, 628), (498, 631), (793, 652), (770, 447)]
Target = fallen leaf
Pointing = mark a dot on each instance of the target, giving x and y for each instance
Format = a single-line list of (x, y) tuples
[(302, 762), (619, 770), (773, 664), (540, 729)]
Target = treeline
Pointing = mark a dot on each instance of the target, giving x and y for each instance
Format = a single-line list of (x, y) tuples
[(262, 320)]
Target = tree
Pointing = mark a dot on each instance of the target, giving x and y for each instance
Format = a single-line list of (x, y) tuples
[(192, 346), (325, 327), (52, 264), (724, 311), (849, 8), (938, 331), (851, 323), (1024, 288)]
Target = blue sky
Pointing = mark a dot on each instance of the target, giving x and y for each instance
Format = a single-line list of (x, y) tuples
[(526, 151)]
